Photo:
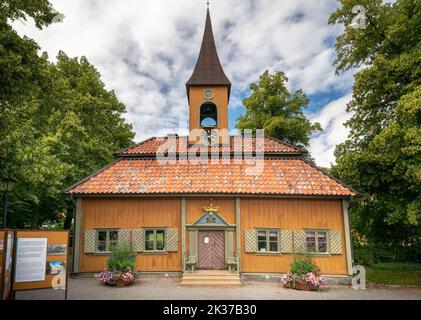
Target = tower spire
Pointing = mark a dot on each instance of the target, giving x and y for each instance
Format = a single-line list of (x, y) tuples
[(208, 70)]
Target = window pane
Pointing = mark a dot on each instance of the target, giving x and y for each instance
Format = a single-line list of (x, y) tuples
[(261, 246), (273, 236), (321, 242), (261, 236), (102, 246), (113, 235), (273, 246), (321, 236), (322, 247), (311, 246), (149, 235), (149, 245), (160, 240), (149, 240), (102, 235), (311, 234)]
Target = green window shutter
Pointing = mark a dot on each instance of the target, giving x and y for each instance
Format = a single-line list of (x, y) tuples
[(250, 240), (124, 236), (299, 241), (90, 240), (229, 243), (172, 239), (138, 240), (286, 241), (193, 243), (335, 242)]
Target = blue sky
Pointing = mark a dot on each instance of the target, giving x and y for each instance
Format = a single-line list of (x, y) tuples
[(146, 50)]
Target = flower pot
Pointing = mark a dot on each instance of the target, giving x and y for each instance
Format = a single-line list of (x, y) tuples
[(120, 283), (302, 286)]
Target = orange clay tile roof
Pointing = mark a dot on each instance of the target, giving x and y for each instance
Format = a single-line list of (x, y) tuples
[(152, 146), (280, 176)]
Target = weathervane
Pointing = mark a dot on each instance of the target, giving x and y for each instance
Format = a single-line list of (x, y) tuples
[(207, 3)]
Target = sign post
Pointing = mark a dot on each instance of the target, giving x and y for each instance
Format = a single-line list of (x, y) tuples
[(40, 260), (6, 258)]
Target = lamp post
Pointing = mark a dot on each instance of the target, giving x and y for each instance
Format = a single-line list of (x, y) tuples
[(7, 187)]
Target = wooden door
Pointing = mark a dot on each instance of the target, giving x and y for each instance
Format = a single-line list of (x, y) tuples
[(211, 250)]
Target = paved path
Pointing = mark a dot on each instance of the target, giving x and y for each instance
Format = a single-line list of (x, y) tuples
[(82, 288)]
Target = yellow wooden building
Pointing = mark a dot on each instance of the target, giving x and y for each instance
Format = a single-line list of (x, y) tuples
[(211, 201)]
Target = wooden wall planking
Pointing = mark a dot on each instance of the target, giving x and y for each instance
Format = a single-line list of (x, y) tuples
[(132, 213), (291, 214)]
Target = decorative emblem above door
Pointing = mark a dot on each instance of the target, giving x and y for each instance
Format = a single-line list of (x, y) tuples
[(211, 217)]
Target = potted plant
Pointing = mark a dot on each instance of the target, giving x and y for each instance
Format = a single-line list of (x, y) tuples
[(304, 275), (121, 266)]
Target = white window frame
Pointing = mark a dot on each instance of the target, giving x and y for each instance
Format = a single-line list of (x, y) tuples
[(268, 230), (155, 238), (316, 233), (107, 240)]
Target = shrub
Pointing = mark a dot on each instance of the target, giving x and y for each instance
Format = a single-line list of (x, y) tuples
[(123, 258), (369, 254), (120, 266), (363, 255), (303, 265)]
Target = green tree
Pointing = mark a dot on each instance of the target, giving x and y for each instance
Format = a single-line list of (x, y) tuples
[(273, 108), (382, 157), (58, 122)]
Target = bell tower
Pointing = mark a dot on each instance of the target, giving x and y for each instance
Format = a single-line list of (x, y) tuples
[(208, 92)]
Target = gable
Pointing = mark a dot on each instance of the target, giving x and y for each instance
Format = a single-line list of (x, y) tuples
[(210, 218)]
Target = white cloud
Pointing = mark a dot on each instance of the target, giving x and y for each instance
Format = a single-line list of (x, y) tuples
[(146, 50), (332, 118)]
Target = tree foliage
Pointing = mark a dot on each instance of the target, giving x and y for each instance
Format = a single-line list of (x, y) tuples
[(58, 122), (382, 156), (273, 108)]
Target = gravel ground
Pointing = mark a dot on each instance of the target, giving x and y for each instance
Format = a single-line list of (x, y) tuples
[(82, 288)]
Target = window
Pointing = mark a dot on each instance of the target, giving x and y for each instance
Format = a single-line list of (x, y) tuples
[(155, 240), (316, 241), (105, 240), (267, 241)]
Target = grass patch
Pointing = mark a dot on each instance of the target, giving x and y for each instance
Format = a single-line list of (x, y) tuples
[(395, 273)]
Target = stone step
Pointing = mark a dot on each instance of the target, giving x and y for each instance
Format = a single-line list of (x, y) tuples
[(211, 272), (211, 283), (211, 276), (211, 279)]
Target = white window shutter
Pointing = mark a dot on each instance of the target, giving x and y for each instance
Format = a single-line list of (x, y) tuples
[(299, 241), (124, 237), (250, 240), (172, 240), (286, 241), (138, 240), (335, 242), (89, 242)]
